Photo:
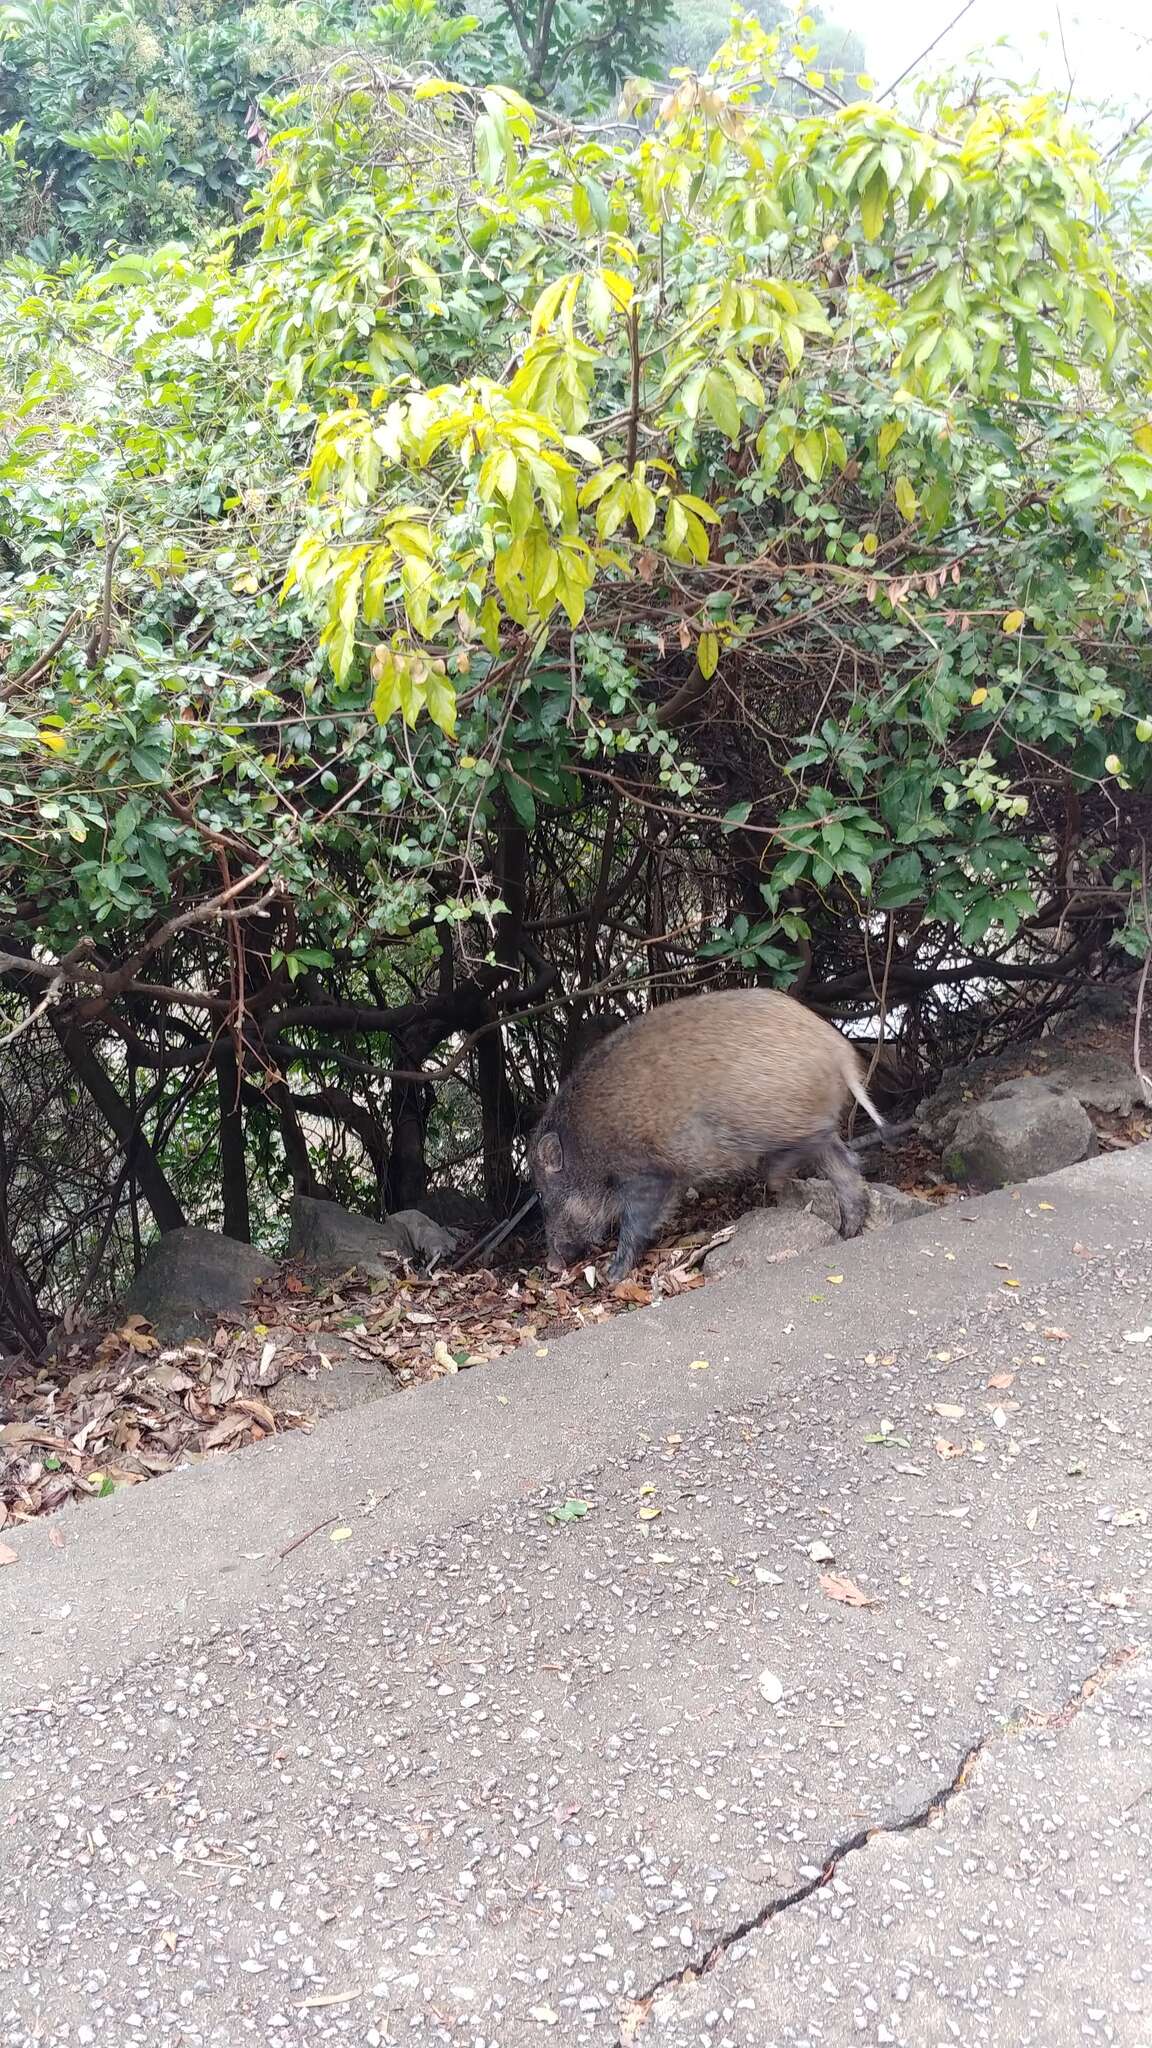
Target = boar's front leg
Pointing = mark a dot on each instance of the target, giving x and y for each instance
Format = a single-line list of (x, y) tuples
[(643, 1201)]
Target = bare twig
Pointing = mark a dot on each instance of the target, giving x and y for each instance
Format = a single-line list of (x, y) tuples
[(927, 50), (308, 1533), (45, 1003), (37, 668)]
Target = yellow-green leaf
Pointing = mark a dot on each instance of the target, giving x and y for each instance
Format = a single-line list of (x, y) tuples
[(1012, 622), (547, 305), (54, 741), (722, 403), (440, 699), (889, 434), (699, 507), (707, 654), (643, 506), (808, 454), (906, 498), (978, 696), (874, 204)]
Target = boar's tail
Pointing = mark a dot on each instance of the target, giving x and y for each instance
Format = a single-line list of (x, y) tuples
[(852, 1077)]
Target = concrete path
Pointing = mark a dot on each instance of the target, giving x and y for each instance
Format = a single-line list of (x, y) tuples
[(466, 1775)]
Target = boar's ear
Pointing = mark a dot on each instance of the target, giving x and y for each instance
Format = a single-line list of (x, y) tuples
[(550, 1153)]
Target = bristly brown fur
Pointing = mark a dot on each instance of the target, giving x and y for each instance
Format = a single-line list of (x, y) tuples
[(699, 1090)]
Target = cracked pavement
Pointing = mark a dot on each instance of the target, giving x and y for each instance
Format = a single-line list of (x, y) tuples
[(469, 1777)]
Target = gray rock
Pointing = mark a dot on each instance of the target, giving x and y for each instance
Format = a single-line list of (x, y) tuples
[(886, 1205), (334, 1239), (816, 1197), (940, 1112), (1025, 1128), (1094, 1007), (426, 1239), (766, 1236), (192, 1277), (466, 1214), (1099, 1080)]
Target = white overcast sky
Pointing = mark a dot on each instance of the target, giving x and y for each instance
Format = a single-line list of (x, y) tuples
[(1106, 50)]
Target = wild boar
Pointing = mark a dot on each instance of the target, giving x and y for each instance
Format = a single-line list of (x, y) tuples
[(695, 1091)]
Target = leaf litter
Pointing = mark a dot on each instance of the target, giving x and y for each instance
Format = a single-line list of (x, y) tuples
[(117, 1408), (114, 1408)]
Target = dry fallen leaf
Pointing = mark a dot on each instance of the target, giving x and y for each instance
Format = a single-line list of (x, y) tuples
[(948, 1411), (136, 1333), (56, 1538), (1056, 1336), (944, 1449), (698, 1365), (834, 1587), (1001, 1379), (632, 1290), (648, 1514), (8, 1556)]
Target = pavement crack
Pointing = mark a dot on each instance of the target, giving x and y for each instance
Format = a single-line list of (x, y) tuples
[(638, 2010)]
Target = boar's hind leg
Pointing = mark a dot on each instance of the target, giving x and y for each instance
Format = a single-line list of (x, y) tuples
[(642, 1204), (837, 1163)]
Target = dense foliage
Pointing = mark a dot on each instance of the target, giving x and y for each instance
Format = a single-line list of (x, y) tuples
[(132, 123), (536, 565)]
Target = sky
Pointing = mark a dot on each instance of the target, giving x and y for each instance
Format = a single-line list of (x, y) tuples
[(1106, 52)]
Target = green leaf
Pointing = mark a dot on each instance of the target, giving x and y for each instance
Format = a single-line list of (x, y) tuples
[(900, 882), (521, 799), (722, 403)]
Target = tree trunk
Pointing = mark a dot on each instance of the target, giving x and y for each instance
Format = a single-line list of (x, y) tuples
[(233, 1163), (22, 1327), (295, 1144), (149, 1173), (410, 1105)]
